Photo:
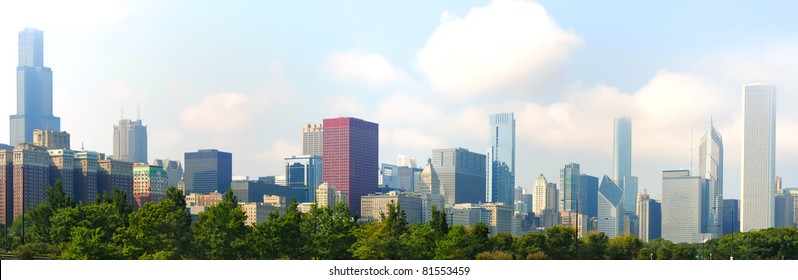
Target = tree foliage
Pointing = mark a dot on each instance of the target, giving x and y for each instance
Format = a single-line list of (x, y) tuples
[(109, 228)]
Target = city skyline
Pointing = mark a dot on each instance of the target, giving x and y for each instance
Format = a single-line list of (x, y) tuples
[(567, 118)]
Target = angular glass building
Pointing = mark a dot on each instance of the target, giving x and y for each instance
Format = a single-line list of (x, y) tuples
[(710, 167), (303, 174), (610, 208), (758, 157)]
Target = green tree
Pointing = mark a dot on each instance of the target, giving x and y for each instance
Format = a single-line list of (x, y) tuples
[(39, 215), (494, 255), (159, 231), (438, 223), (382, 240), (595, 246), (529, 244), (683, 251), (220, 233), (625, 247), (334, 235), (458, 244), (282, 236), (419, 242), (502, 242), (88, 232), (561, 244)]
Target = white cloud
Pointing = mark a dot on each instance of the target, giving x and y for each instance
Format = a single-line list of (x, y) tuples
[(415, 139), (61, 15), (220, 113), (365, 68), (507, 46)]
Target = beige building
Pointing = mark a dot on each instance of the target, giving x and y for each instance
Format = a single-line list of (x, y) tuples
[(643, 203), (328, 196), (312, 139), (373, 205), (501, 217), (6, 186), (258, 212), (31, 176), (204, 200), (85, 176), (62, 167), (51, 139)]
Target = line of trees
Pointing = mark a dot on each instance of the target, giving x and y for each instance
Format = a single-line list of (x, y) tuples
[(59, 228)]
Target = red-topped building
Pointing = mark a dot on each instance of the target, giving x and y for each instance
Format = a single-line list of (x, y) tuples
[(350, 157)]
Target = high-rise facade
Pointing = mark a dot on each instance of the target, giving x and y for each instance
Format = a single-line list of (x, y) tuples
[(461, 174), (682, 217), (569, 188), (149, 184), (784, 211), (115, 174), (85, 175), (303, 174), (710, 167), (174, 170), (312, 139), (7, 187), (731, 216), (31, 177), (130, 141), (539, 195), (34, 90), (51, 139), (588, 196), (622, 149), (350, 157), (610, 208), (208, 171), (643, 214), (654, 219), (430, 182), (758, 157), (500, 176)]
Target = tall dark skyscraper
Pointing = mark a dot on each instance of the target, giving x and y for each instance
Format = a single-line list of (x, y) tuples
[(208, 171), (34, 90), (588, 195), (350, 157)]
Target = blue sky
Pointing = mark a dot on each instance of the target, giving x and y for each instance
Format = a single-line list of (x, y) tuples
[(243, 76)]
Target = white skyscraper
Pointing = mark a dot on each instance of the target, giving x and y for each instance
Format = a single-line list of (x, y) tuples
[(758, 157), (130, 141), (539, 195), (682, 215), (710, 167)]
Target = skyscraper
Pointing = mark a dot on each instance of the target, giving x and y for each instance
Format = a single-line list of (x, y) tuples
[(350, 157), (622, 149), (731, 216), (758, 157), (500, 176), (682, 217), (312, 139), (174, 170), (130, 141), (710, 167), (34, 90), (643, 213), (303, 174), (429, 179), (588, 196), (461, 174), (569, 188), (539, 195), (610, 208), (208, 171)]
